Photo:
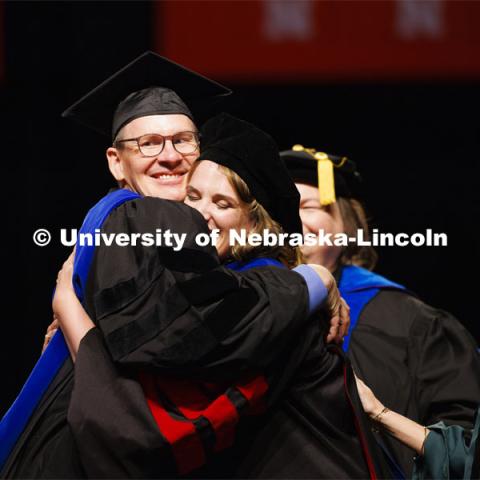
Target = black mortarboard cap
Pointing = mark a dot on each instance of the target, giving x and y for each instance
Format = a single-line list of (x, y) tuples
[(253, 155), (302, 164), (149, 85)]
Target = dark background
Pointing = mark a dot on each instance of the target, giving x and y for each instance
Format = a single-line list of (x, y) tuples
[(416, 144)]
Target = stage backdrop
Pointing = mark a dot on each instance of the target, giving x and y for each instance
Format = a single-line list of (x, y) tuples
[(292, 40)]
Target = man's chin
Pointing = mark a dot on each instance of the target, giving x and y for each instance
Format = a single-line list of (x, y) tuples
[(176, 194), (166, 191)]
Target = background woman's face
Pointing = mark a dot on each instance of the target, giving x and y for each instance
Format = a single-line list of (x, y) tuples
[(210, 192), (314, 218)]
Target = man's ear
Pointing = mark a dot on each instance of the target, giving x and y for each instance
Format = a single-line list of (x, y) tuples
[(115, 164)]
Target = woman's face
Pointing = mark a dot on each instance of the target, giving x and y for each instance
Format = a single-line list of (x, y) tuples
[(210, 192), (314, 218)]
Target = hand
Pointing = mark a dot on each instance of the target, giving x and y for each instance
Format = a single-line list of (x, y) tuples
[(410, 433), (71, 316), (51, 331), (370, 403), (337, 307), (64, 291)]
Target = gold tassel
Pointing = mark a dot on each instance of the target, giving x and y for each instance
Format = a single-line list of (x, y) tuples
[(326, 179)]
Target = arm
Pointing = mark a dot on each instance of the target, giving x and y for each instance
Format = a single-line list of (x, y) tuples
[(120, 437), (154, 311), (68, 311), (408, 432), (70, 315), (443, 451)]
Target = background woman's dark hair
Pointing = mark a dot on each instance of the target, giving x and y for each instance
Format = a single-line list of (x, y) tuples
[(355, 218)]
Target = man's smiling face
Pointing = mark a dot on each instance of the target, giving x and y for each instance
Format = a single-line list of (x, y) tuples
[(163, 175)]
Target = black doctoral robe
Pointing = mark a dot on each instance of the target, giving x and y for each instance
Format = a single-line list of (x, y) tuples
[(419, 361), (182, 315)]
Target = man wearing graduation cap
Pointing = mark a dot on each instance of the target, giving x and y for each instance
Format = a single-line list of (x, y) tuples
[(205, 411), (419, 361), (154, 143)]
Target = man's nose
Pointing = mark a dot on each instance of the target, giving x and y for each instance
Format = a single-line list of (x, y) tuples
[(169, 154)]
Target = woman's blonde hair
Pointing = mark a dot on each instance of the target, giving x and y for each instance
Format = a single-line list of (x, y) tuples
[(260, 220), (354, 219)]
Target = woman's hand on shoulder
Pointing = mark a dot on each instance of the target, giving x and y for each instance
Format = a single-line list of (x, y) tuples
[(62, 299), (64, 292)]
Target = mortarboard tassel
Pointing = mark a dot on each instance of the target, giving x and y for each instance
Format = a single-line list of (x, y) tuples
[(326, 179)]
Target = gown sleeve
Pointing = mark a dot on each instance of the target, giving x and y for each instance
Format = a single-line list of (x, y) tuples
[(447, 372), (180, 310), (304, 425), (113, 428), (449, 452)]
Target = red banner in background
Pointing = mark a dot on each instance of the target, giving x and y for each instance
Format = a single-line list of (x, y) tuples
[(287, 40)]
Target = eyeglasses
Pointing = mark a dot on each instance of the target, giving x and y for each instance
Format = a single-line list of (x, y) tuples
[(152, 144)]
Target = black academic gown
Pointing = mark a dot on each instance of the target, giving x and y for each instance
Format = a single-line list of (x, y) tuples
[(47, 448), (211, 329), (153, 314), (419, 361), (307, 431)]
